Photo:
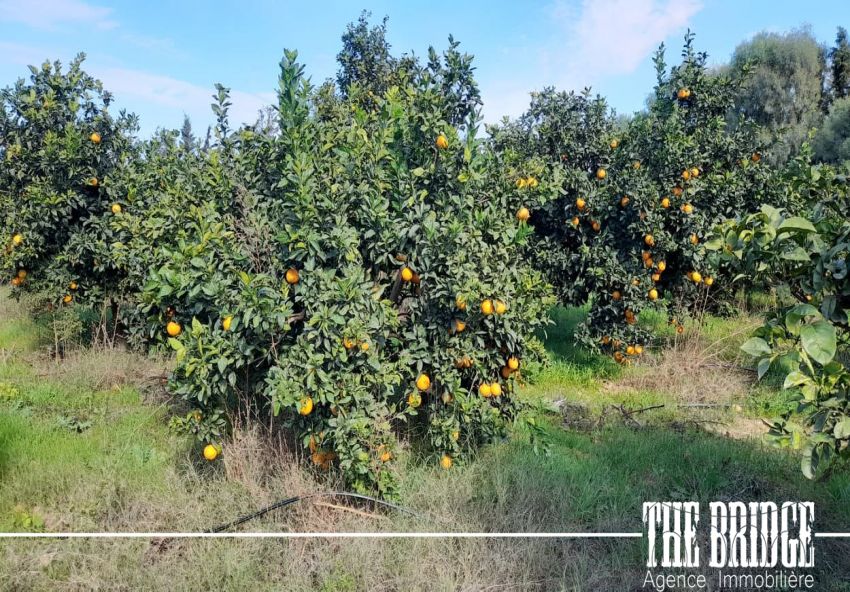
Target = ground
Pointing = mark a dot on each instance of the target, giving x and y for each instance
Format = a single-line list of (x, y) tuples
[(85, 446)]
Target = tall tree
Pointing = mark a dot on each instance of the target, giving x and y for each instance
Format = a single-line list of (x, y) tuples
[(782, 87), (832, 142), (365, 58), (187, 138), (840, 56)]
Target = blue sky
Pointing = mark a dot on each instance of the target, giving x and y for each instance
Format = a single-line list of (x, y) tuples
[(161, 58)]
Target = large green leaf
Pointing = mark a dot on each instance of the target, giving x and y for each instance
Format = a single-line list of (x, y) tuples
[(819, 341), (756, 347), (797, 223)]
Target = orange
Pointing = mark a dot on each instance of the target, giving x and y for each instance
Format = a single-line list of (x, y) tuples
[(305, 406), (624, 202), (73, 285), (614, 143), (423, 383), (662, 266), (459, 326), (385, 455), (686, 174), (95, 138), (446, 462), (656, 277), (16, 282), (487, 307), (173, 329), (696, 277), (756, 157), (532, 182), (513, 363), (17, 239), (505, 372), (638, 349), (649, 240), (648, 262), (414, 400), (688, 209), (694, 172), (665, 203), (580, 203), (630, 350), (601, 173), (574, 221), (347, 342), (653, 294), (596, 226), (226, 322), (709, 281), (618, 356), (210, 452), (292, 276), (616, 295), (677, 191), (364, 347), (520, 183), (484, 390), (694, 239), (636, 165), (22, 273), (442, 142), (680, 329), (116, 209), (495, 389), (94, 182), (460, 303), (455, 436), (500, 307), (523, 214), (606, 340)]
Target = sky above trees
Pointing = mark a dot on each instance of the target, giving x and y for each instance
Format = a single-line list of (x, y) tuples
[(162, 59)]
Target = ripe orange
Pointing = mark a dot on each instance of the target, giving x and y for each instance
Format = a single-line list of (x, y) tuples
[(532, 182), (484, 390), (226, 322), (95, 138), (656, 277), (495, 389), (73, 285), (686, 174), (22, 273), (616, 295), (648, 262), (520, 183), (649, 240), (305, 406), (688, 209), (614, 143), (513, 363), (459, 326), (694, 172), (17, 239), (173, 329), (665, 203), (624, 202), (68, 299), (210, 452), (580, 203), (16, 282), (523, 214), (347, 342), (442, 142), (696, 277), (662, 266), (606, 340), (601, 173), (636, 165), (364, 347), (414, 400), (423, 383), (446, 462), (406, 274), (630, 350), (618, 356), (596, 226), (638, 349), (756, 157), (694, 239), (487, 307), (94, 182), (653, 294), (500, 307), (709, 281), (677, 191), (575, 221), (116, 209), (460, 303), (292, 276), (680, 329)]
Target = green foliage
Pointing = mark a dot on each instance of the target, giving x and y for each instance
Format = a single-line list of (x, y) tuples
[(832, 141), (782, 79), (840, 65), (805, 342)]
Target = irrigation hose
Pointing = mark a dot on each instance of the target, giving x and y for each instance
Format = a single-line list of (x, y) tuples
[(298, 498)]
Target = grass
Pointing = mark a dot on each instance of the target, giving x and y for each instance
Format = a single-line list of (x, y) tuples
[(84, 446)]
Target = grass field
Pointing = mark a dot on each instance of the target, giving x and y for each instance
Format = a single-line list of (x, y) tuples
[(84, 446)]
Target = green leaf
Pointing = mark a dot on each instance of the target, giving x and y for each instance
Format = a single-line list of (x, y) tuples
[(797, 223), (756, 347), (795, 379), (819, 341), (842, 429)]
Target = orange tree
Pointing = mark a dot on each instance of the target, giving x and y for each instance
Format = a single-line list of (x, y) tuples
[(637, 203), (805, 341), (357, 274), (60, 146)]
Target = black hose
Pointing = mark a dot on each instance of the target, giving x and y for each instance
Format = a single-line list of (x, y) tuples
[(289, 501)]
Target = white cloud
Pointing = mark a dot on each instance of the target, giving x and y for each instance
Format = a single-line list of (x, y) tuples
[(48, 14), (178, 96), (594, 40)]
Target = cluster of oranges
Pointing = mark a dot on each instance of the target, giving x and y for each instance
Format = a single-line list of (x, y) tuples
[(530, 182)]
